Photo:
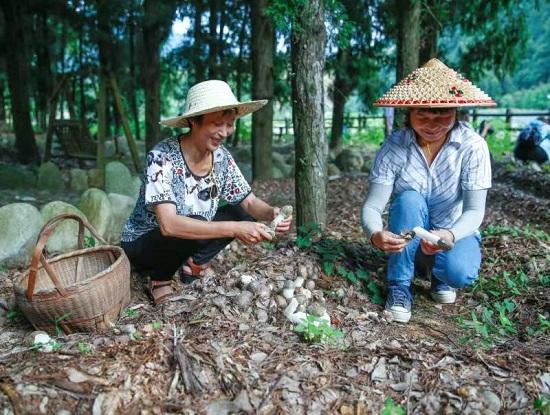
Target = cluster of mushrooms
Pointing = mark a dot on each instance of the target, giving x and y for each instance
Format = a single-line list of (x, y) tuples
[(294, 295)]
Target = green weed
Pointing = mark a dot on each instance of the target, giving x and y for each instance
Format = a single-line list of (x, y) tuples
[(58, 330), (390, 408), (315, 330), (335, 260), (542, 404), (89, 241), (14, 314), (131, 313), (84, 348), (156, 325)]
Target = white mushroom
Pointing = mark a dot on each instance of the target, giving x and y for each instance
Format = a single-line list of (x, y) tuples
[(299, 282)]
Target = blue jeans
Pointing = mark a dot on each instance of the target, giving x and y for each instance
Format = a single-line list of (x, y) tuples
[(457, 268)]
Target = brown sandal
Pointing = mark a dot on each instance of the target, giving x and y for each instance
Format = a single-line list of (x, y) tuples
[(191, 272), (161, 291)]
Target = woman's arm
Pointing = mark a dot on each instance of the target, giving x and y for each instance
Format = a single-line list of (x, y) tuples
[(375, 202), (257, 208), (260, 210), (173, 225), (473, 211), (371, 219)]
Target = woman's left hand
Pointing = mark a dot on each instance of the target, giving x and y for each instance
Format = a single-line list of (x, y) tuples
[(284, 225), (431, 249)]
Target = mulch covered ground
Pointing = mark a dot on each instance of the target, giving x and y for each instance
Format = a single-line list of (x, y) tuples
[(208, 352)]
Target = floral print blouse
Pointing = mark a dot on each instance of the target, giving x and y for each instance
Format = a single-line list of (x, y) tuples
[(168, 179)]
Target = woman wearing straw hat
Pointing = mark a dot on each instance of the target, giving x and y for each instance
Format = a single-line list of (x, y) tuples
[(178, 219), (438, 171)]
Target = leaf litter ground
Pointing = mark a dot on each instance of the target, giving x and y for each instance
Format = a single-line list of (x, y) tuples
[(206, 353)]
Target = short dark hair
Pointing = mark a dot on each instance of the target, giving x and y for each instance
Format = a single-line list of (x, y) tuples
[(198, 118), (408, 123)]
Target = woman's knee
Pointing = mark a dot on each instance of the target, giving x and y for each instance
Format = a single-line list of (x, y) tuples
[(408, 209), (461, 274)]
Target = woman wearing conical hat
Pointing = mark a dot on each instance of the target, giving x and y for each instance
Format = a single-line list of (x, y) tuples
[(437, 171), (178, 222)]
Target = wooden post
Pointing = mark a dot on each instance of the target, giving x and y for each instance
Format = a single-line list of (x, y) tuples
[(101, 124), (125, 124), (51, 119), (509, 118), (287, 125)]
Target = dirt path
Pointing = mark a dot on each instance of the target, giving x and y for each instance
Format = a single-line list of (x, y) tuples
[(204, 354)]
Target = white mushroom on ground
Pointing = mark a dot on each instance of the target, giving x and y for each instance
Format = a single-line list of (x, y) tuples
[(310, 285), (288, 289), (244, 299), (245, 280), (299, 282), (280, 301)]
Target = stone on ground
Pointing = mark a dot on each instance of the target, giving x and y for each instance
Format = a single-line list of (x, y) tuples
[(65, 236), (79, 180), (16, 177), (118, 179), (121, 207), (95, 204), (350, 160), (95, 178), (50, 178), (20, 224)]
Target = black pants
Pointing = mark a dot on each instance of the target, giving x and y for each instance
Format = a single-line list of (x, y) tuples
[(529, 152), (160, 256)]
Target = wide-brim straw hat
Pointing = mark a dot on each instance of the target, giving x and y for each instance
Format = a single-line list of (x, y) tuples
[(211, 96), (435, 85)]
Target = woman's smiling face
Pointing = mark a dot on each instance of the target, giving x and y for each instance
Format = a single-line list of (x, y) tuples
[(215, 127), (432, 125)]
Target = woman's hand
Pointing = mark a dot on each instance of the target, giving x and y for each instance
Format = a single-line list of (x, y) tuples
[(388, 241), (251, 232), (431, 249), (284, 225)]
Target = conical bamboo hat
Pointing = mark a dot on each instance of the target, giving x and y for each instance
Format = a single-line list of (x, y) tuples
[(435, 85)]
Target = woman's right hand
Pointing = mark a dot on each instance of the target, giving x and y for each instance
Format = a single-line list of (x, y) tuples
[(388, 241), (251, 232)]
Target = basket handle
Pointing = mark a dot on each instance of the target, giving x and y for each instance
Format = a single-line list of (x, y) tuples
[(38, 254)]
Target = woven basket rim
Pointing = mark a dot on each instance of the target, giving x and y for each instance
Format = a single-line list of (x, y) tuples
[(20, 290)]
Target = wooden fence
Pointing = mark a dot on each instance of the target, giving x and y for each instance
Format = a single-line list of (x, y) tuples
[(284, 126)]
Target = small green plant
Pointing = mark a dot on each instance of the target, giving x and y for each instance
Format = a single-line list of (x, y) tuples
[(390, 408), (156, 325), (56, 345), (542, 404), (89, 241), (130, 312), (58, 330), (375, 293), (136, 335), (307, 234), (3, 268), (315, 330), (84, 348), (14, 314)]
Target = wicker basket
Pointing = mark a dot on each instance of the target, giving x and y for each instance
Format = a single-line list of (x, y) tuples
[(82, 290)]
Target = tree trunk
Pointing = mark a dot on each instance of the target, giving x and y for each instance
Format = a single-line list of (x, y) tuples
[(151, 73), (308, 60), (133, 83), (239, 81), (408, 43), (213, 40), (2, 102), (430, 32), (342, 87), (18, 81), (198, 65), (44, 72), (263, 48), (81, 75)]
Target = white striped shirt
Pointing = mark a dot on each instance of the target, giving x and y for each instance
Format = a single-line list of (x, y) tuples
[(463, 163)]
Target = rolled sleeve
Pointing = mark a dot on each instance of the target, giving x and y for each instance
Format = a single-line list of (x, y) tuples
[(476, 169), (158, 179), (384, 169)]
